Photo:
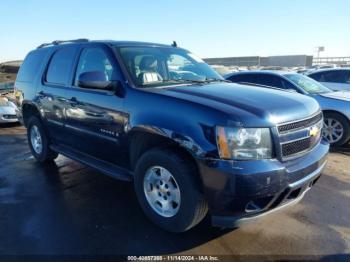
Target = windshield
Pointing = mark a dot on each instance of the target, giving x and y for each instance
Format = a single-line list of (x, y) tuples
[(6, 86), (160, 66), (306, 83)]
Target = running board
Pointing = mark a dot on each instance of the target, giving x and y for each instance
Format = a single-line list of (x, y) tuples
[(102, 166)]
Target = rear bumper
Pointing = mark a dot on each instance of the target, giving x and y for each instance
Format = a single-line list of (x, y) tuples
[(241, 191)]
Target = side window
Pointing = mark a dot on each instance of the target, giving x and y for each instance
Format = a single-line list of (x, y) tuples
[(318, 77), (31, 66), (95, 59), (287, 85), (60, 66), (244, 78), (347, 77), (339, 76), (270, 80)]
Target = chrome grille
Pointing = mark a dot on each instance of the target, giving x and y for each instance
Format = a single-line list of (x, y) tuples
[(9, 116), (300, 124), (300, 136), (296, 147)]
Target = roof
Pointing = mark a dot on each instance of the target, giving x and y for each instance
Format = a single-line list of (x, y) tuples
[(111, 42), (327, 70), (266, 72)]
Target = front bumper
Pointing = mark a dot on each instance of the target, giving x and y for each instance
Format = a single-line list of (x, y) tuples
[(8, 119), (241, 191)]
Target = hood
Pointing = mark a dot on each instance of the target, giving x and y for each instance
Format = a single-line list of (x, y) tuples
[(339, 95), (7, 107), (249, 103), (7, 110)]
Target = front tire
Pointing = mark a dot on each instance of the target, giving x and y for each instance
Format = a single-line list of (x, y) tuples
[(39, 142), (336, 129), (168, 190)]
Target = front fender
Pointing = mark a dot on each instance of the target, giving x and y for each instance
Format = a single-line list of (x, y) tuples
[(181, 139)]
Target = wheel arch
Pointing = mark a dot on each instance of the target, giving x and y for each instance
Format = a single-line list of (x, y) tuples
[(28, 110), (142, 139), (332, 111)]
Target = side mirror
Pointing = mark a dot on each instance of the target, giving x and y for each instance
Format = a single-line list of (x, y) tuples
[(94, 80)]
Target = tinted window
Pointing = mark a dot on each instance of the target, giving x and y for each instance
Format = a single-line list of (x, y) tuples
[(288, 85), (95, 59), (317, 76), (338, 76), (60, 66), (270, 80), (31, 66), (243, 78)]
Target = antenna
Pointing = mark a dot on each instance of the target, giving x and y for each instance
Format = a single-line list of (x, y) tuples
[(174, 44)]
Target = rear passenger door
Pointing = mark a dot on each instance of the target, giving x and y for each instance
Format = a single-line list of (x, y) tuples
[(95, 117), (52, 91)]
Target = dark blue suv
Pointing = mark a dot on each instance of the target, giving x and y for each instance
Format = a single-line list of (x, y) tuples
[(159, 116)]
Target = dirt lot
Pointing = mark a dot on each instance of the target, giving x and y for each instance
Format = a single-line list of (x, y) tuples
[(67, 208)]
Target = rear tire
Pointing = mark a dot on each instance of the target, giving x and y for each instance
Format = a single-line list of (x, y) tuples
[(187, 204), (336, 129), (39, 142)]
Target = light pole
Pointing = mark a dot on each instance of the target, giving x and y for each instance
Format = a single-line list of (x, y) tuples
[(319, 50)]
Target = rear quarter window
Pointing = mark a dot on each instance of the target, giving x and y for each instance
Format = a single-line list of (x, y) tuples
[(31, 66)]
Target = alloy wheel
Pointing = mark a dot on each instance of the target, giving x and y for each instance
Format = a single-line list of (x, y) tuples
[(333, 130), (162, 191), (36, 140)]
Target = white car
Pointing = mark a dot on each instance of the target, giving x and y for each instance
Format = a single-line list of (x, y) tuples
[(336, 79), (8, 109)]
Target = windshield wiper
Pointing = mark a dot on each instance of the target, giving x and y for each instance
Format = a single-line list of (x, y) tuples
[(210, 80), (192, 81)]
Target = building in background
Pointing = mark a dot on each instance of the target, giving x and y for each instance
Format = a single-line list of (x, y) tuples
[(8, 71), (282, 61)]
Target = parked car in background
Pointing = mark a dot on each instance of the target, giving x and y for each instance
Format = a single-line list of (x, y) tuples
[(159, 116), (335, 79), (8, 108), (335, 105)]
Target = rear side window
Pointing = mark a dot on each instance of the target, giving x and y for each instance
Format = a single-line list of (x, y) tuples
[(317, 76), (270, 80), (31, 66), (244, 78), (60, 66), (338, 76)]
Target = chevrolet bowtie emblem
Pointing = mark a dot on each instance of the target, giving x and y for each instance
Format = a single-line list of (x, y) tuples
[(314, 131)]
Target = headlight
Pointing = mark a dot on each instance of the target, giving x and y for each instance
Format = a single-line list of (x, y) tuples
[(244, 143)]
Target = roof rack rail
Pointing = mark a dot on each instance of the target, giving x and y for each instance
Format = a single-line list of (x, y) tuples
[(58, 42)]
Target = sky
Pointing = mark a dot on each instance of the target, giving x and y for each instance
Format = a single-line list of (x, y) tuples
[(209, 28)]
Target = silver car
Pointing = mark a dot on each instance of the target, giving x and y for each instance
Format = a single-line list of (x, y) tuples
[(335, 104), (8, 109), (335, 79)]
